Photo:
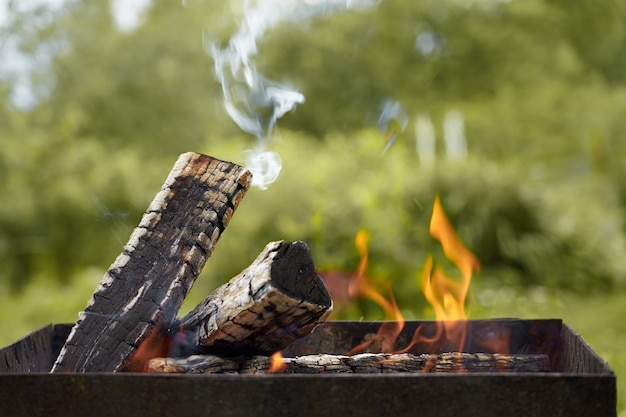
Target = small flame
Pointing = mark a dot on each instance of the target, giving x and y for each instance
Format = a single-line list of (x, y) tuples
[(447, 295), (277, 364), (158, 344), (155, 345), (362, 286)]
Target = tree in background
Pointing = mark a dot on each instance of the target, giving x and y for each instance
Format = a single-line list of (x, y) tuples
[(538, 91)]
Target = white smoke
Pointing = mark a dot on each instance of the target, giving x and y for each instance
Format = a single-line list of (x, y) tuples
[(392, 120), (254, 102)]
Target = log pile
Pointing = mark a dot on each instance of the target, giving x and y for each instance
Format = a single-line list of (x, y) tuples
[(131, 317), (131, 322)]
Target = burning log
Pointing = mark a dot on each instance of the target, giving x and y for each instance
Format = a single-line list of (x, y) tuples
[(147, 283), (279, 298), (361, 363)]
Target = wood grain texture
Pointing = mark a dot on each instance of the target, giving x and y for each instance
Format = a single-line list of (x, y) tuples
[(149, 280), (364, 363), (279, 298)]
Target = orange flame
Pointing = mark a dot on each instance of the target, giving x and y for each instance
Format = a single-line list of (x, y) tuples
[(362, 286), (277, 364), (158, 343), (445, 294), (155, 345)]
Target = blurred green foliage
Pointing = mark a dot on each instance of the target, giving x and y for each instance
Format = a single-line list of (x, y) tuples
[(540, 196)]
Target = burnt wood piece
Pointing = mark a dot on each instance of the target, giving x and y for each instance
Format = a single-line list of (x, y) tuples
[(149, 280), (362, 363), (195, 364), (29, 354), (279, 298)]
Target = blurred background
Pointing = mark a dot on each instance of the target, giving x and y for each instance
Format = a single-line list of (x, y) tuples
[(513, 112)]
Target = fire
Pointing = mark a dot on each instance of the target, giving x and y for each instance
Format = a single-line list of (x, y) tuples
[(155, 345), (362, 286), (445, 294), (277, 364), (158, 343)]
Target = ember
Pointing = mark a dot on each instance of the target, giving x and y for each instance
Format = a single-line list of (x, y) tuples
[(154, 346), (277, 363)]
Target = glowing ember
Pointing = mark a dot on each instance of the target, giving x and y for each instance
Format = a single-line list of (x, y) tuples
[(155, 345), (159, 343), (277, 365)]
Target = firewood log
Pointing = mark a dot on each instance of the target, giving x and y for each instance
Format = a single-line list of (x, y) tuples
[(146, 284), (276, 300), (362, 363), (195, 364)]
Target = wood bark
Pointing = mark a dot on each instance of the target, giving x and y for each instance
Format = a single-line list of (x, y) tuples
[(146, 284), (361, 363), (276, 300)]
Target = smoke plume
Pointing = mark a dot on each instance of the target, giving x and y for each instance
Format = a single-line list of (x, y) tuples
[(254, 102)]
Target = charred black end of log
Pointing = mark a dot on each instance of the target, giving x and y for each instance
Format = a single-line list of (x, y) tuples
[(294, 260)]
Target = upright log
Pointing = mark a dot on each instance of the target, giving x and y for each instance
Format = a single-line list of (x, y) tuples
[(147, 283), (279, 298)]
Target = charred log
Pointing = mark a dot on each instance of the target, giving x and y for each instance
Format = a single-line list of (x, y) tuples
[(361, 363), (279, 298), (146, 284)]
